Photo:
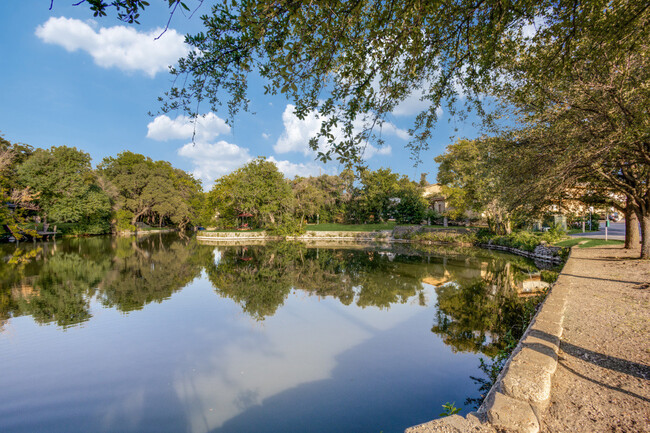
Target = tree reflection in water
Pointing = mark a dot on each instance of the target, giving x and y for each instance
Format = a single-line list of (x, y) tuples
[(476, 315), (149, 269), (57, 281), (260, 278), (477, 303)]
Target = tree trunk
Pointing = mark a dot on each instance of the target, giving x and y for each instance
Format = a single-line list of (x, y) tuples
[(645, 236), (508, 226), (631, 227), (138, 215)]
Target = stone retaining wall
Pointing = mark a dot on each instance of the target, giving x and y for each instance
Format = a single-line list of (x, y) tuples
[(541, 253), (203, 235), (144, 232), (310, 236)]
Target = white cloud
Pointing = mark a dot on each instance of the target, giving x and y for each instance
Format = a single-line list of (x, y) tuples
[(297, 133), (122, 47), (530, 29), (413, 104), (292, 170), (207, 128), (213, 160), (266, 136), (371, 151), (391, 129)]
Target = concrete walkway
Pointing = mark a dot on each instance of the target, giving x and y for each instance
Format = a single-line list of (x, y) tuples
[(602, 381), (583, 365), (616, 231)]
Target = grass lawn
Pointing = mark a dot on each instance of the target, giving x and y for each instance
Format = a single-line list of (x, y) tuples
[(331, 227), (231, 231), (578, 231), (150, 229), (590, 242)]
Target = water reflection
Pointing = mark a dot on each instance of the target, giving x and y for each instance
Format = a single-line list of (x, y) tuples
[(264, 338), (260, 278), (475, 315), (149, 269), (54, 282)]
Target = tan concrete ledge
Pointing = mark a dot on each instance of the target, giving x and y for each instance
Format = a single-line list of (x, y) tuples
[(453, 424), (512, 415)]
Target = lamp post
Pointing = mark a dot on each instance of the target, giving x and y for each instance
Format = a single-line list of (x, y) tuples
[(591, 209)]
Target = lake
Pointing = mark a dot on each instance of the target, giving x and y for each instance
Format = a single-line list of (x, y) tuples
[(163, 334)]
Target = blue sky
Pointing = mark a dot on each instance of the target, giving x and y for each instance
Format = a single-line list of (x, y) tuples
[(69, 79)]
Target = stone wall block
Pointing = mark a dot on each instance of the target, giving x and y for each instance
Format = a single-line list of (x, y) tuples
[(537, 357), (536, 339), (528, 382), (512, 415), (552, 328)]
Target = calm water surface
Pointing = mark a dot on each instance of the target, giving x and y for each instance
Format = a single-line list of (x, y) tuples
[(163, 334)]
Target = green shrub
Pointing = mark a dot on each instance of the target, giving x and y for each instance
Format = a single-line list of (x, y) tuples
[(443, 236), (94, 226), (549, 276), (288, 226), (123, 219)]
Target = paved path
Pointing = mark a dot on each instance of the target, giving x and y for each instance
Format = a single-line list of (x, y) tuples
[(616, 231), (602, 382)]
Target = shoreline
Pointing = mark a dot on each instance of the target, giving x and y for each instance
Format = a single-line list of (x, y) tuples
[(544, 254)]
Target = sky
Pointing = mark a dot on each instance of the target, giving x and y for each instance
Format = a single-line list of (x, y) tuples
[(70, 79)]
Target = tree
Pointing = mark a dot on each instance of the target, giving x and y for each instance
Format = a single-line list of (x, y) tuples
[(375, 199), (309, 197), (412, 206), (357, 60), (11, 156), (587, 121), (257, 188), (473, 181), (322, 198), (151, 190), (582, 67), (67, 187)]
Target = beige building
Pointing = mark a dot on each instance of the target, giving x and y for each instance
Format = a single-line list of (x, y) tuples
[(433, 193)]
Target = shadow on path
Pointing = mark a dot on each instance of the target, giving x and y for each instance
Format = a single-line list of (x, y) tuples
[(605, 279), (613, 388), (613, 363), (624, 366)]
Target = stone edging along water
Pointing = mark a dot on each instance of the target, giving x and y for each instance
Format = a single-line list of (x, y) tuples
[(226, 237), (542, 252)]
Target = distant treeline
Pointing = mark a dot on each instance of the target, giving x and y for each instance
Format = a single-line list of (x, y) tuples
[(59, 186)]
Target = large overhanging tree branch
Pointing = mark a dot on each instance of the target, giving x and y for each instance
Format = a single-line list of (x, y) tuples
[(587, 122), (356, 60)]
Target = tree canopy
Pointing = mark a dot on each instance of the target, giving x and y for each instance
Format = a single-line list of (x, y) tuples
[(67, 186), (357, 60), (153, 189), (573, 73)]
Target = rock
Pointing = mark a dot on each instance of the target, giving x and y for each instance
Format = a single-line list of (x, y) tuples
[(452, 424), (512, 415)]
